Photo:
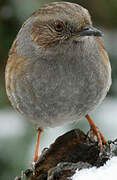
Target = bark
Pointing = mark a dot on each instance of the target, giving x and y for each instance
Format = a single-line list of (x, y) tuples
[(71, 151)]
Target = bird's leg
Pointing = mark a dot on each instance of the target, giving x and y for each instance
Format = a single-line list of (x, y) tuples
[(35, 157), (95, 131)]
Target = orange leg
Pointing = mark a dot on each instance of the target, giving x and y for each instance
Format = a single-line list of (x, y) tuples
[(35, 157), (97, 133)]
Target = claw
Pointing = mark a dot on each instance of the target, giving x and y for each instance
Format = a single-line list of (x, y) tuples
[(95, 132)]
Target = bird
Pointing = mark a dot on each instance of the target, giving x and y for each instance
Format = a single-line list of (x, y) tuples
[(58, 70)]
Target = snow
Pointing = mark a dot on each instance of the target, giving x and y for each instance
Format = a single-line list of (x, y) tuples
[(106, 172), (105, 116)]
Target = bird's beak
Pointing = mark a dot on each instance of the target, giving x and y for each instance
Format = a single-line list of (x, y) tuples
[(89, 30)]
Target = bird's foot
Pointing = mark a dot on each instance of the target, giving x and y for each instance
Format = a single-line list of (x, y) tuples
[(94, 131), (35, 156)]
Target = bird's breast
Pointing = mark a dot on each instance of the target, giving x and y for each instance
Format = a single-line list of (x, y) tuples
[(61, 86)]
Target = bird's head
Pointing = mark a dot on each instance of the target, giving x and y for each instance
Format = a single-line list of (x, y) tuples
[(59, 21)]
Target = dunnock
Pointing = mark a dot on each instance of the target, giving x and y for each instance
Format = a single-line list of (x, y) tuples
[(58, 69)]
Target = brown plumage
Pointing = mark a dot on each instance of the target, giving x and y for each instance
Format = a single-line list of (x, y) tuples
[(58, 69)]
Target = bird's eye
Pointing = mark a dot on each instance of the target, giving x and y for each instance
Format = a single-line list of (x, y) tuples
[(59, 25)]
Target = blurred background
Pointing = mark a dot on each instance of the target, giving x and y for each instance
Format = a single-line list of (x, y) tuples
[(17, 135)]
